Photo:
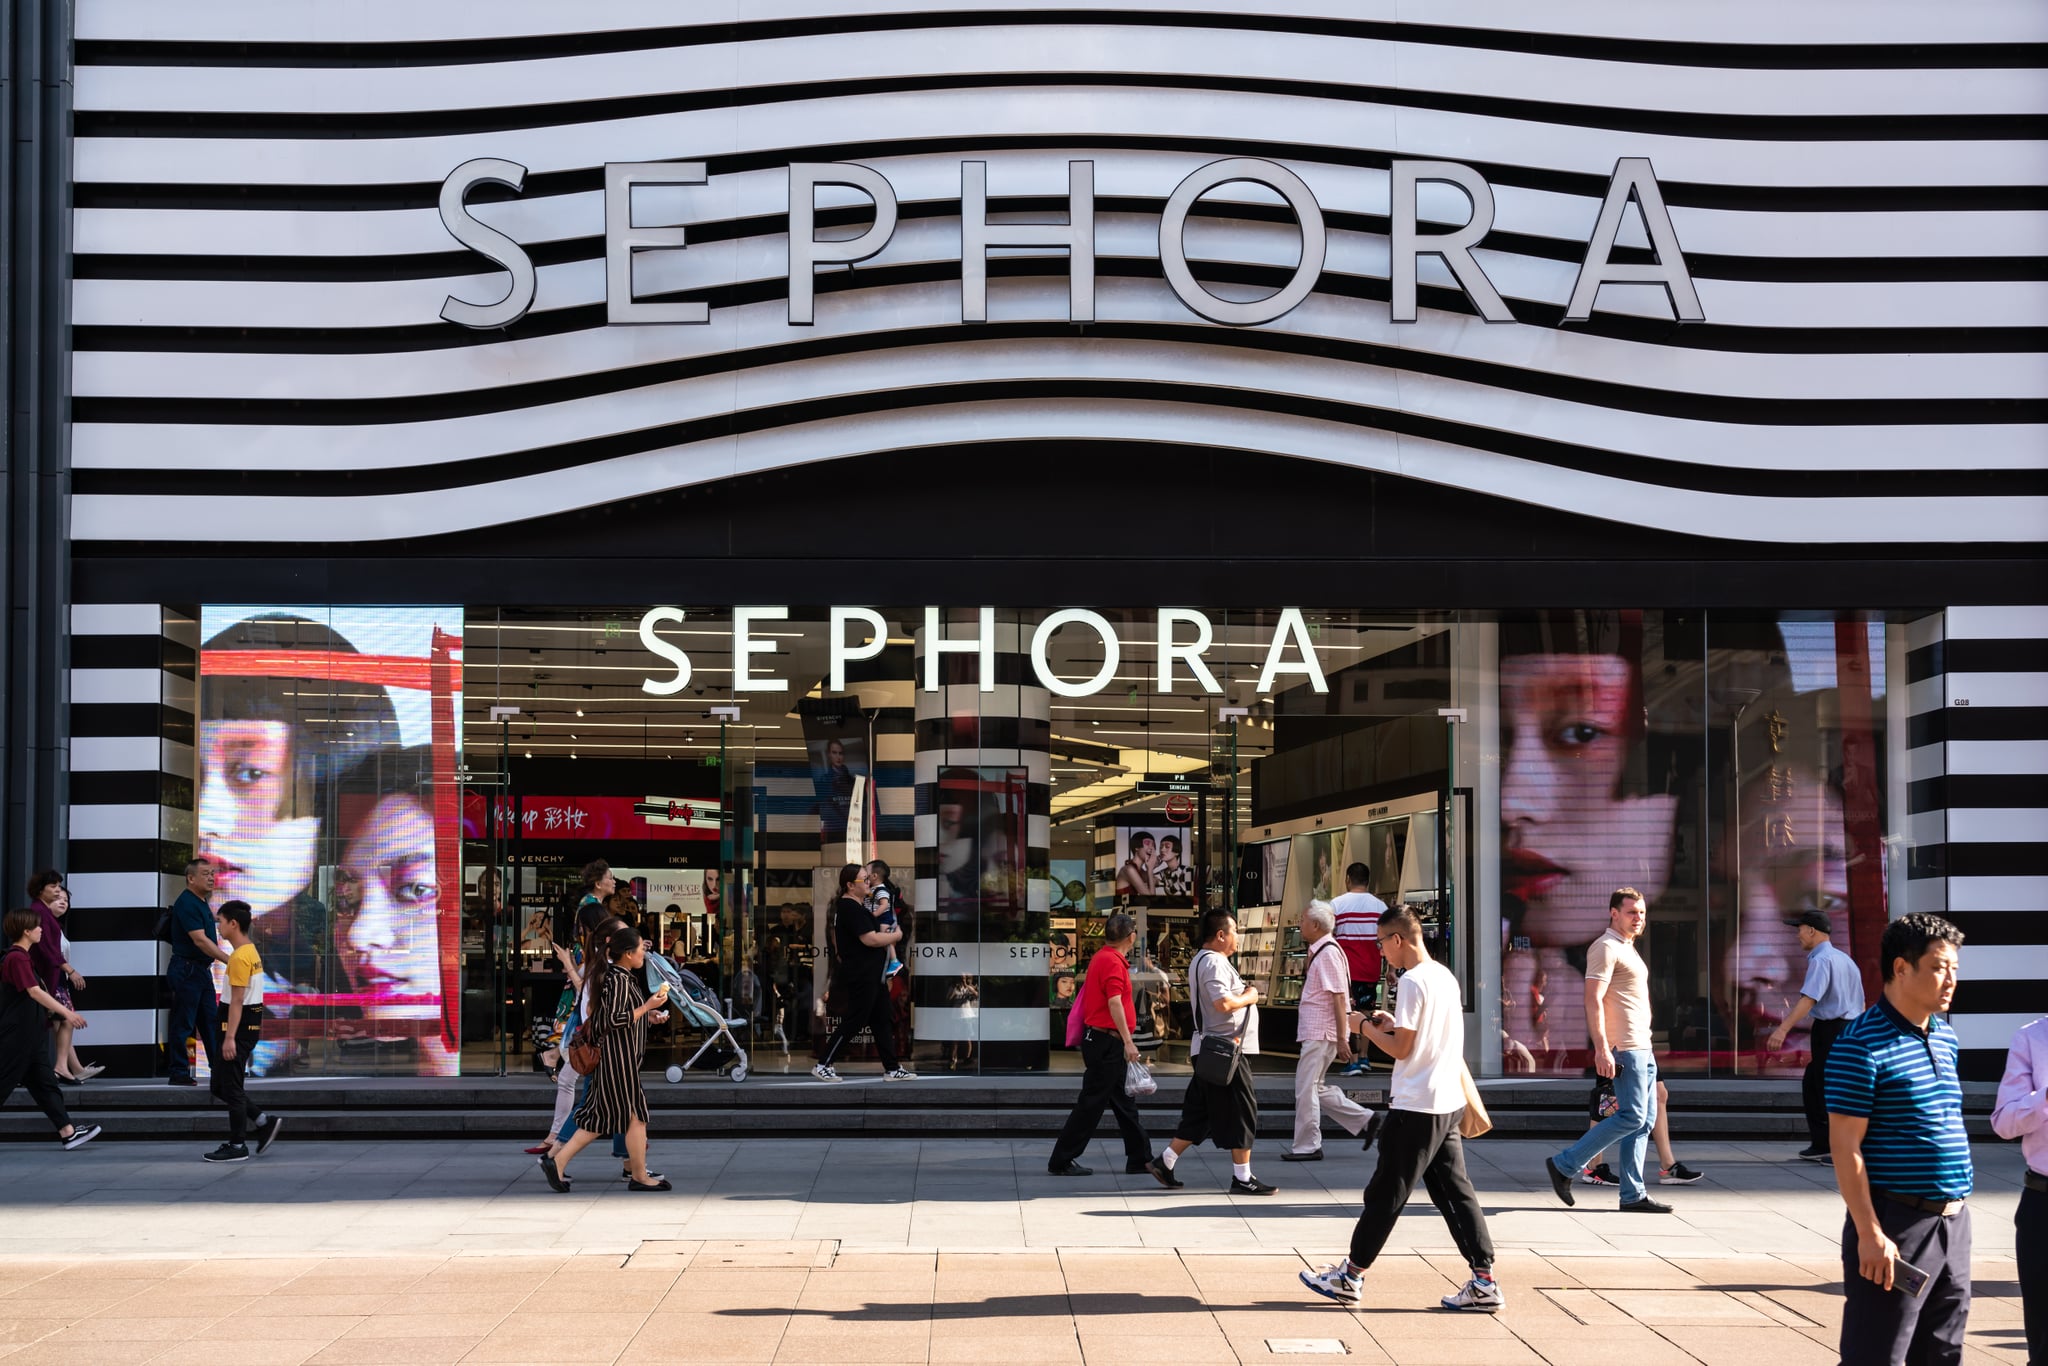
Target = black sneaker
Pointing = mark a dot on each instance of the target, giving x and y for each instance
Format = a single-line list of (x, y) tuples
[(1251, 1187), (1163, 1174), (228, 1152), (1292, 1156), (1559, 1182), (1813, 1154), (1373, 1123), (266, 1133), (1071, 1169), (1646, 1206), (181, 1081), (81, 1134)]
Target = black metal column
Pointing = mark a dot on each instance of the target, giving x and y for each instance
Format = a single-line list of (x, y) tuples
[(35, 441)]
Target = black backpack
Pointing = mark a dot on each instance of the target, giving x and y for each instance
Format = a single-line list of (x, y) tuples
[(164, 921)]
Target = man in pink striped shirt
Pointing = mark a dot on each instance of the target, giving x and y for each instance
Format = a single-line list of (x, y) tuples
[(1324, 1031)]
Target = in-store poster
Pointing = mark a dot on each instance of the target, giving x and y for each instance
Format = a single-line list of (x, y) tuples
[(328, 740), (1154, 864)]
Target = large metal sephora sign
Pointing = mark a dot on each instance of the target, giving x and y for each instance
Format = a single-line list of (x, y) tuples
[(1182, 635), (1632, 179)]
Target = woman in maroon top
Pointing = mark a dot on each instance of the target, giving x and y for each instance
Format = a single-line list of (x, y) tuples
[(1106, 1046), (24, 1033)]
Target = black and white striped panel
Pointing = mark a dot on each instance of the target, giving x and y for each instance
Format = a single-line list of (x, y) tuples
[(1979, 695), (134, 695), (261, 265), (1008, 727)]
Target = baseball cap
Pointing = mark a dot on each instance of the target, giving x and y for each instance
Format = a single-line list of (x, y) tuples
[(1817, 919)]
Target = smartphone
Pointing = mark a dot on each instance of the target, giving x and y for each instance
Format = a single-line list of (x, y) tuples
[(1910, 1279)]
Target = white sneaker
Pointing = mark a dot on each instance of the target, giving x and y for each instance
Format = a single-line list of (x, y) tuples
[(824, 1073), (1477, 1294), (1334, 1283), (900, 1074)]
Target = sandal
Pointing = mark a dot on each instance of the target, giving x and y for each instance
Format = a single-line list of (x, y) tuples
[(660, 1183)]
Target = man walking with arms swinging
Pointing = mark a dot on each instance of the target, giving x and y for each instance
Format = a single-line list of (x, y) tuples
[(1618, 1016), (1419, 1141)]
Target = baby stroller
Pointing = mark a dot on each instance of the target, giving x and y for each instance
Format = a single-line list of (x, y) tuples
[(693, 1006)]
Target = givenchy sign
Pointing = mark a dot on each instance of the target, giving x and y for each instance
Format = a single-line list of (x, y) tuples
[(623, 240)]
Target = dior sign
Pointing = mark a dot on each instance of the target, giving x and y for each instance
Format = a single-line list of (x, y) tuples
[(1632, 179)]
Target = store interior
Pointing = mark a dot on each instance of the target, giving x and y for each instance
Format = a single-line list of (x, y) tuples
[(1251, 808)]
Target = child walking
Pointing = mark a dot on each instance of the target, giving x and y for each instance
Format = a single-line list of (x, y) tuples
[(241, 1030)]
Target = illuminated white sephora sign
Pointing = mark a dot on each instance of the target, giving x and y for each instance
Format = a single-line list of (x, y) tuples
[(1632, 179), (1181, 636)]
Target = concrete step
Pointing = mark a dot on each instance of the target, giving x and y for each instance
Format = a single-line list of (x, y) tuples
[(793, 1106)]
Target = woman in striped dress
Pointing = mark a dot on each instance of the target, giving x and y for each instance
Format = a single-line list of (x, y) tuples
[(616, 1001)]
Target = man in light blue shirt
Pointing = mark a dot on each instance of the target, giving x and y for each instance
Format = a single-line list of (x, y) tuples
[(1833, 995)]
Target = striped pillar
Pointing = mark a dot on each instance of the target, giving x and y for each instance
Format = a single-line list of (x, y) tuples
[(1977, 807), (134, 697), (996, 741)]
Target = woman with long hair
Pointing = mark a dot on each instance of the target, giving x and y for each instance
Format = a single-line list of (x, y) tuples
[(618, 1002)]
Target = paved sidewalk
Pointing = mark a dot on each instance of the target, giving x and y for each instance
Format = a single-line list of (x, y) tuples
[(904, 1251)]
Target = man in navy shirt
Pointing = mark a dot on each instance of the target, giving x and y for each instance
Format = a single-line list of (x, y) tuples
[(195, 947), (1902, 1160)]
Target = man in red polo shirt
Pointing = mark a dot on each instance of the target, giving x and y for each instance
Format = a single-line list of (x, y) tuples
[(1106, 1047)]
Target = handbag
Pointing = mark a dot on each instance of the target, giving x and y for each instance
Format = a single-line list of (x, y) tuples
[(1076, 1026), (1216, 1064), (1475, 1122)]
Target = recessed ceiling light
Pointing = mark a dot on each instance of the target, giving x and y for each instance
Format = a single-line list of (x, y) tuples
[(579, 711), (529, 754), (572, 754)]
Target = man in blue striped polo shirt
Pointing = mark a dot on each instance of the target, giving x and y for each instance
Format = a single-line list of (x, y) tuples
[(1895, 1125)]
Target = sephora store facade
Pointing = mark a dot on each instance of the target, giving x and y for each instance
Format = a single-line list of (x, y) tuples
[(1162, 459)]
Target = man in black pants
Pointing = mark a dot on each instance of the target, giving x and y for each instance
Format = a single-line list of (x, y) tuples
[(1833, 995), (1107, 1049), (1902, 1159), (861, 946), (1419, 1141)]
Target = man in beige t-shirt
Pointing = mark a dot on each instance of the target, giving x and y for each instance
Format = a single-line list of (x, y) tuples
[(1618, 1018)]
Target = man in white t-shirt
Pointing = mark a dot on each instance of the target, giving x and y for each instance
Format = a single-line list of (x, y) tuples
[(1419, 1142), (1358, 914)]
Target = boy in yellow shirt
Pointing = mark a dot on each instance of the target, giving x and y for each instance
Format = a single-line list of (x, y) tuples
[(242, 1027)]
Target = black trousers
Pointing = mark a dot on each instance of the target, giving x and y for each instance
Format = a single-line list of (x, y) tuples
[(229, 1084), (2030, 1249), (1813, 1082), (1427, 1148), (1890, 1326), (1102, 1085), (1227, 1115), (867, 1007), (25, 1061)]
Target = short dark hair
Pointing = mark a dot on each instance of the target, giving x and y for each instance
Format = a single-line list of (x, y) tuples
[(1622, 894), (1213, 923), (196, 864), (1142, 837), (1358, 875), (849, 875), (19, 923), (879, 869), (42, 882), (593, 872), (1119, 927), (1173, 840), (236, 912), (1401, 919), (1910, 936)]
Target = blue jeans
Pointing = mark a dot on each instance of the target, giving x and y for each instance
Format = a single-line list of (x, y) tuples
[(1635, 1088), (194, 1012)]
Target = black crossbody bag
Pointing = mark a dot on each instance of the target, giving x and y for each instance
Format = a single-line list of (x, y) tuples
[(1216, 1064)]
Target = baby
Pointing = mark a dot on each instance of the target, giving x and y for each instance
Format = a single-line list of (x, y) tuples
[(882, 906)]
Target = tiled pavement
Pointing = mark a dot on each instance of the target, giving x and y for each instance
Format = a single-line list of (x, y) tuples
[(903, 1251)]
